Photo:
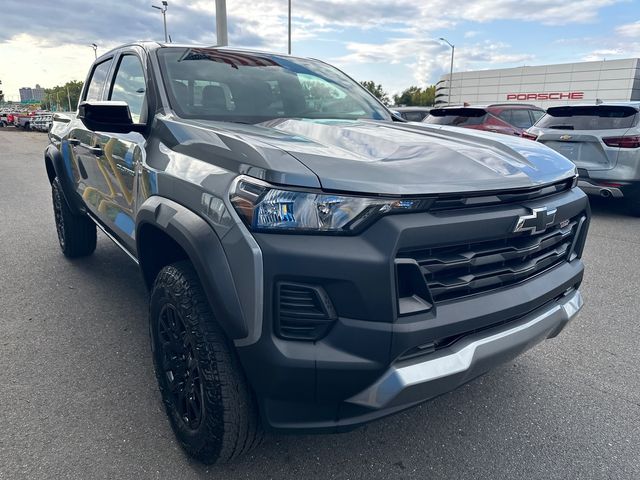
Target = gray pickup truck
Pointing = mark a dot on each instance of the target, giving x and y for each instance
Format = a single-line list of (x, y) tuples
[(313, 261)]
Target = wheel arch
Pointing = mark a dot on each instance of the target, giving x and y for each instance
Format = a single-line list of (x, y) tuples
[(166, 232), (55, 167)]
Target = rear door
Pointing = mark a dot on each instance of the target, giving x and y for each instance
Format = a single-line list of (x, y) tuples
[(577, 132)]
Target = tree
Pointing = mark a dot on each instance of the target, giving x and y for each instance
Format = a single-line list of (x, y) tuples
[(376, 90), (60, 96), (416, 96)]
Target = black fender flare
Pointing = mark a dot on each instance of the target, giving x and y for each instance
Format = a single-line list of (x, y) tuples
[(53, 159), (204, 249)]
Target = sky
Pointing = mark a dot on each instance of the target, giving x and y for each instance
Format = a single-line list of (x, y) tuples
[(392, 42)]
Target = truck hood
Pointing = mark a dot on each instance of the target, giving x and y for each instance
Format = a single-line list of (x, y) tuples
[(409, 158)]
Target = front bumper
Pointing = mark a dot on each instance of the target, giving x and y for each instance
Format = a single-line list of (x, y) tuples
[(324, 385), (418, 380)]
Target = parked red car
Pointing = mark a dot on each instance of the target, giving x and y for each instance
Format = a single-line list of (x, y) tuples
[(511, 119)]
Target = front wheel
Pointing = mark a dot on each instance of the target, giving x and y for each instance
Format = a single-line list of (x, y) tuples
[(208, 401), (76, 234)]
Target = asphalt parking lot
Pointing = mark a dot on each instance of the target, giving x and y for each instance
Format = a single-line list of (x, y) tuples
[(78, 397)]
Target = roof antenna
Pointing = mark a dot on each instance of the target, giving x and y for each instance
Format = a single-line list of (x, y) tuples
[(170, 41)]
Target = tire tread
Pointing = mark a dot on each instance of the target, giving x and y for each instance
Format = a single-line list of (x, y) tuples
[(235, 429), (79, 231)]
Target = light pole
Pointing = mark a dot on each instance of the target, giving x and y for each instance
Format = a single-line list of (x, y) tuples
[(289, 27), (95, 50), (453, 51), (163, 9), (221, 23), (69, 99)]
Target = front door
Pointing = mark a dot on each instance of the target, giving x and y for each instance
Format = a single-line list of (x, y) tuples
[(120, 154)]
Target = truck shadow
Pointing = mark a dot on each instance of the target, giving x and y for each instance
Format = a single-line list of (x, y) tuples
[(610, 207), (391, 443)]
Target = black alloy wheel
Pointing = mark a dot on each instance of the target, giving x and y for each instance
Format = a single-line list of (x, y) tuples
[(184, 380)]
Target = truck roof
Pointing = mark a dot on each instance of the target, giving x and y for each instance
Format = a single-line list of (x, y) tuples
[(151, 46)]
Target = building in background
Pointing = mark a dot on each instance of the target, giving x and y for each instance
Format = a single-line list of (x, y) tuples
[(28, 94), (545, 85)]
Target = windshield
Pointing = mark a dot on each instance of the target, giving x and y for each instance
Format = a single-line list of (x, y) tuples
[(209, 83), (596, 117), (458, 117)]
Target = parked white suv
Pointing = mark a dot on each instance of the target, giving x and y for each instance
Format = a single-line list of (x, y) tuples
[(604, 143)]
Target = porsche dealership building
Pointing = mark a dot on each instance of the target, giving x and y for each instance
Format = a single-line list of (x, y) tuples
[(545, 85)]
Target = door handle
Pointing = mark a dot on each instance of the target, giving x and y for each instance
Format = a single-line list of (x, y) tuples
[(97, 151), (74, 141)]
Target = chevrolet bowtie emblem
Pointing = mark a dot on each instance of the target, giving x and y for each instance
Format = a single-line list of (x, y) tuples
[(565, 137), (538, 221)]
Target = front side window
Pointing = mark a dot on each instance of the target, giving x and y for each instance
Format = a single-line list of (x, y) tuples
[(250, 88), (96, 84), (129, 86)]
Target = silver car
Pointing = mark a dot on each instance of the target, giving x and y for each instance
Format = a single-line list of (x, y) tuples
[(604, 143)]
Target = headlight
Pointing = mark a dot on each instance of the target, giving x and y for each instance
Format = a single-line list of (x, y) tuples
[(267, 208)]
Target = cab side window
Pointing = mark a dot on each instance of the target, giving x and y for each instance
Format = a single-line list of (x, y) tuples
[(129, 86), (96, 84)]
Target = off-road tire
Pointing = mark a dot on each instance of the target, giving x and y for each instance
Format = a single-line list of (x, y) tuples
[(76, 234), (229, 424)]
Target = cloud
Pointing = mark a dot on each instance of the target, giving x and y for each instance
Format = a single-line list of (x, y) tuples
[(119, 21), (603, 54), (406, 29), (261, 22), (549, 12), (631, 30), (428, 59)]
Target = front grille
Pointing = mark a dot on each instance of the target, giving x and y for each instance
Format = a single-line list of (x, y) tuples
[(465, 269), (450, 202)]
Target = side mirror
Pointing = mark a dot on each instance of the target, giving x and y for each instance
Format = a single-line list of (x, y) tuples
[(110, 116)]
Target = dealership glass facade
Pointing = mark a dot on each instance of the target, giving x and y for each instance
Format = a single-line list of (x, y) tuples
[(545, 85)]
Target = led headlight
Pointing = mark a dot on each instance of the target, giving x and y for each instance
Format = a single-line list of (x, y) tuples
[(263, 207)]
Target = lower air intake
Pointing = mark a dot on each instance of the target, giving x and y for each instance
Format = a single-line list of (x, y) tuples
[(303, 312)]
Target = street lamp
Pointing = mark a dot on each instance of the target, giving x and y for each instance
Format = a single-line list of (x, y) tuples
[(221, 23), (289, 27), (163, 9), (453, 51), (95, 50)]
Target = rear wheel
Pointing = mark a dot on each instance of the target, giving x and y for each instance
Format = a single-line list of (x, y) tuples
[(76, 234), (208, 401)]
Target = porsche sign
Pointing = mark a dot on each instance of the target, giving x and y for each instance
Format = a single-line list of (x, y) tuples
[(546, 96)]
